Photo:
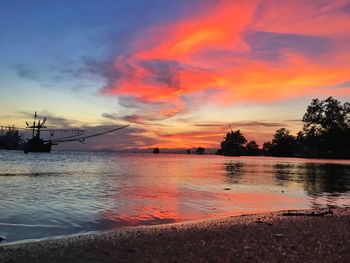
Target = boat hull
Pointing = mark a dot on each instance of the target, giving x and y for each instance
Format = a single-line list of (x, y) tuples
[(37, 146)]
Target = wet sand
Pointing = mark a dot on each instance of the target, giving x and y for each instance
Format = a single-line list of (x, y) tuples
[(304, 236)]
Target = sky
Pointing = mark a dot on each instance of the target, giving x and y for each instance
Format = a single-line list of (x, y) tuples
[(180, 73)]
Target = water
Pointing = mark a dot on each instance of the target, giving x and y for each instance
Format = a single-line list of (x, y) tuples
[(63, 193)]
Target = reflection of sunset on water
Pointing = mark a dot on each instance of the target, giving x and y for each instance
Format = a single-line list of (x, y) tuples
[(192, 187), (102, 191), (151, 205)]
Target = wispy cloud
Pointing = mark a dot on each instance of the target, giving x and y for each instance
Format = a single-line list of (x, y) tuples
[(25, 71), (52, 120), (241, 124)]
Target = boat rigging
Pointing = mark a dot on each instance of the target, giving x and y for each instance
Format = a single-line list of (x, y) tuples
[(37, 144)]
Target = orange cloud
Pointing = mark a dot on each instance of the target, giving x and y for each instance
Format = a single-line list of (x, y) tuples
[(185, 42), (321, 18), (306, 55), (221, 27)]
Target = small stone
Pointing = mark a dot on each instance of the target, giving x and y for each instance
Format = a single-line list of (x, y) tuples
[(227, 189), (278, 235)]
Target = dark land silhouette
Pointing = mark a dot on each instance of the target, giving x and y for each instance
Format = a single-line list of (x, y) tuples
[(233, 144), (200, 150), (325, 134), (10, 139), (156, 150)]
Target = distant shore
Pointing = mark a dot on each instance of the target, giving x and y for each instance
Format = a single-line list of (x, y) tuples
[(289, 236)]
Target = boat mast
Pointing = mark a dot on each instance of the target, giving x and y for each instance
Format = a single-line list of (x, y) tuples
[(34, 125)]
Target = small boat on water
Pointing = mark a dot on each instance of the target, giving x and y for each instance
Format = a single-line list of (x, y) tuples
[(37, 144), (156, 150)]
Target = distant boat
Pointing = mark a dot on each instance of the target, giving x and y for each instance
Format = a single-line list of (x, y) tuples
[(156, 150), (36, 144)]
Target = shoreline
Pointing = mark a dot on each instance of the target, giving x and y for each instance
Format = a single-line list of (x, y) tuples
[(288, 236), (129, 229)]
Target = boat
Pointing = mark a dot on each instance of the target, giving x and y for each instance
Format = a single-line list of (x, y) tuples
[(156, 150), (37, 144)]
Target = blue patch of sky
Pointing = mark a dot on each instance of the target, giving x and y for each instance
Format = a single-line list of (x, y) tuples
[(46, 35)]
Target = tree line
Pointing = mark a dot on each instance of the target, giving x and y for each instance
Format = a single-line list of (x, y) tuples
[(10, 139), (325, 134)]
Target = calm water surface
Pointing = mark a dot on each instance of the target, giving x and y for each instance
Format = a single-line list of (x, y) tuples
[(62, 193)]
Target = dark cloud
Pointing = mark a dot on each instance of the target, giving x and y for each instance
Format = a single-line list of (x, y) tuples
[(257, 123), (241, 124), (139, 103), (25, 71), (145, 119), (346, 8), (194, 100), (91, 66), (129, 137), (160, 73), (111, 116), (145, 112), (163, 72), (52, 120), (271, 46), (343, 85)]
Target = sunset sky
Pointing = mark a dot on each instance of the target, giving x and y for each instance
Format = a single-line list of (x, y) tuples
[(179, 72)]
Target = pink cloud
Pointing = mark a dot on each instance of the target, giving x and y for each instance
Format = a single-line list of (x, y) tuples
[(190, 57)]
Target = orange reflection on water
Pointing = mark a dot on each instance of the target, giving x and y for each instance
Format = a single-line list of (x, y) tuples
[(149, 205), (174, 188)]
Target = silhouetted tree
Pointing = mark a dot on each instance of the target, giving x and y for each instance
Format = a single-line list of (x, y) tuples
[(232, 145), (266, 149), (283, 144), (218, 151), (326, 129), (325, 134), (200, 150), (10, 139), (188, 151), (325, 116), (252, 149)]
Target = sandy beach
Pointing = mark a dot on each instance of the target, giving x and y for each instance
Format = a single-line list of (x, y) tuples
[(287, 236)]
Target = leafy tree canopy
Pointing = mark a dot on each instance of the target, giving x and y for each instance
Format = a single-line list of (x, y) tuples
[(325, 116), (200, 150), (232, 145), (252, 148)]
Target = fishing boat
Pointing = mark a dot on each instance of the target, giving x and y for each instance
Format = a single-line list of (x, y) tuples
[(37, 144)]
